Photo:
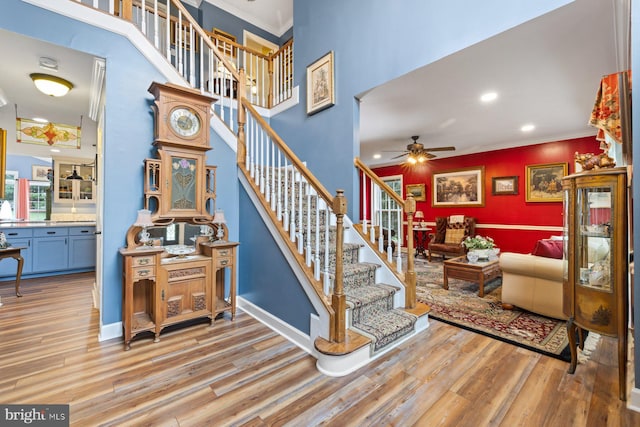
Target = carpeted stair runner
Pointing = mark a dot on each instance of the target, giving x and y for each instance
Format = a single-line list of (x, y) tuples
[(371, 304)]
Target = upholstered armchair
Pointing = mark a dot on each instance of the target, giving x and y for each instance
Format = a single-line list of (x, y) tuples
[(449, 234)]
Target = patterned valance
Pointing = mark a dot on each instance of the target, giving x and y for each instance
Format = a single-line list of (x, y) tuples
[(606, 111)]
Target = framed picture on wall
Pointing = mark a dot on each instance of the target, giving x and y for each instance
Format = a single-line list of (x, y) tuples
[(417, 191), (39, 173), (320, 89), (504, 185), (458, 187), (544, 182)]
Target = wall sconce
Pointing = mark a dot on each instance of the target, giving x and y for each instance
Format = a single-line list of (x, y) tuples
[(144, 221), (51, 85), (219, 219)]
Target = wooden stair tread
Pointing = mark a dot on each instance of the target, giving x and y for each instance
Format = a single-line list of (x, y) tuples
[(352, 342), (419, 310)]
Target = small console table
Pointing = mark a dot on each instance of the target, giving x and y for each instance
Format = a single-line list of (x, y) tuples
[(14, 252), (223, 255), (420, 239)]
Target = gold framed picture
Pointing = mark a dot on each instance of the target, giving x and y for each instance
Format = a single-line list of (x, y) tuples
[(458, 187), (417, 191), (320, 88), (544, 182)]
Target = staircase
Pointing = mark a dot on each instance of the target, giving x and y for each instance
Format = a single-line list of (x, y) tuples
[(357, 295), (371, 305)]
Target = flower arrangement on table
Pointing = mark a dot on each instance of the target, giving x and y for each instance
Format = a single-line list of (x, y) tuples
[(478, 242)]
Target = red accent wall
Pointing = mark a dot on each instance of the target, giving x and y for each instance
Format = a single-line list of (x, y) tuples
[(501, 210)]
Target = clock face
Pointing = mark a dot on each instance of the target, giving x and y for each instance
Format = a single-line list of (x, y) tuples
[(185, 122)]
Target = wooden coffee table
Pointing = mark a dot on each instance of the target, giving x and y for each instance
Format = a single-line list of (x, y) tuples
[(479, 272)]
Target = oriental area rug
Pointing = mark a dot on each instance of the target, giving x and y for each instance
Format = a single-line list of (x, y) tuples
[(461, 306)]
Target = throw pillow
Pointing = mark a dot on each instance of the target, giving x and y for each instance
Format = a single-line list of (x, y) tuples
[(548, 248), (454, 235)]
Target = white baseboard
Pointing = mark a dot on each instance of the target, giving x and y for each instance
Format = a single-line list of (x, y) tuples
[(289, 332), (110, 331), (634, 400)]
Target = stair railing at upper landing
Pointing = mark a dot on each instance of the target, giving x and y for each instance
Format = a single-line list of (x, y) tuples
[(206, 61), (300, 207), (374, 224)]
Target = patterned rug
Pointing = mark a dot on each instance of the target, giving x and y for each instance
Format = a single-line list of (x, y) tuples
[(461, 306)]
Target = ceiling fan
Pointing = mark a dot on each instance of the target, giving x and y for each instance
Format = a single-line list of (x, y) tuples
[(418, 154)]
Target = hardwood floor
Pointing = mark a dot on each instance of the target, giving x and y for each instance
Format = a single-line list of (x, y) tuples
[(241, 373)]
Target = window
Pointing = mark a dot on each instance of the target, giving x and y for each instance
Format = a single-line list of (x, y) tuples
[(38, 200), (389, 212), (37, 197), (11, 178)]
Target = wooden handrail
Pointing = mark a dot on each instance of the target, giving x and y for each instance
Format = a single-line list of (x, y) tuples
[(375, 178), (237, 45), (196, 27), (409, 208), (313, 181), (283, 47)]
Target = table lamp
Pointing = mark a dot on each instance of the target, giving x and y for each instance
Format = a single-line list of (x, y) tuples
[(144, 221), (418, 217), (219, 219)]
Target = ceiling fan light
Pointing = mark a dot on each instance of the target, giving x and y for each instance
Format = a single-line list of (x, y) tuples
[(51, 85), (411, 160), (422, 158)]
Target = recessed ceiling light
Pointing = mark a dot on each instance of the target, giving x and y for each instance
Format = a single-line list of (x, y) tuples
[(40, 120), (55, 150), (489, 96), (377, 156), (527, 128)]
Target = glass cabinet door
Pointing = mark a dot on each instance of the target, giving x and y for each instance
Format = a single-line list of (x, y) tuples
[(74, 181), (594, 229)]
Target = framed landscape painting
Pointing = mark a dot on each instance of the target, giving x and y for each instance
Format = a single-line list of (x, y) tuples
[(417, 191), (459, 187), (544, 182)]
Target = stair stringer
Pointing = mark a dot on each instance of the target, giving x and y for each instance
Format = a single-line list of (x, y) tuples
[(319, 324), (329, 364)]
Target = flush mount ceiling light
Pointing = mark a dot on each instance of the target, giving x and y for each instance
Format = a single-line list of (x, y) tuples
[(51, 85)]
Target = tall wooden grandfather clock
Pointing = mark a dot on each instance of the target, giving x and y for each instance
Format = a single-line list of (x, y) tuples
[(179, 182)]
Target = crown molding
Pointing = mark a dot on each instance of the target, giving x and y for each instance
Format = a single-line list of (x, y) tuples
[(252, 19)]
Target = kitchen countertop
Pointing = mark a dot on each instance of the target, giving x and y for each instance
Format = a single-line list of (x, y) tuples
[(31, 224)]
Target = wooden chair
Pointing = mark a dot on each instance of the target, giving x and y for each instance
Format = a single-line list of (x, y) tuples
[(448, 237)]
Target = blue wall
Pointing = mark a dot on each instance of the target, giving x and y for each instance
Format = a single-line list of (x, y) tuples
[(375, 41), (266, 278), (214, 17), (23, 164)]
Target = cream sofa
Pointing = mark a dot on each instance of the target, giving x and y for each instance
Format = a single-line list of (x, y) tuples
[(533, 283)]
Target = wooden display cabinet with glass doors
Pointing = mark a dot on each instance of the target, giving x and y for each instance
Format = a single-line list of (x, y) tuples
[(596, 253)]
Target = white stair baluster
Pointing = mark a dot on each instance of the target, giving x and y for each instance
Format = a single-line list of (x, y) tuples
[(399, 240), (326, 283), (279, 207), (292, 217)]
